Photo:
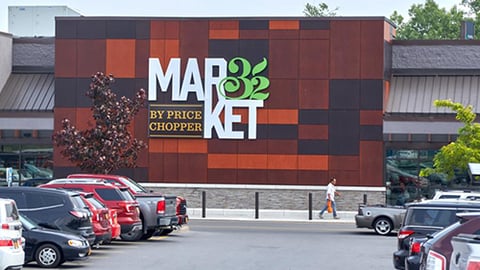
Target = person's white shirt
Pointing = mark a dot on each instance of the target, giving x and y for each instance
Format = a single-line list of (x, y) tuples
[(331, 191)]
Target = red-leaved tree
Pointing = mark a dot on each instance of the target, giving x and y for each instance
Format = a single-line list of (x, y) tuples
[(109, 145)]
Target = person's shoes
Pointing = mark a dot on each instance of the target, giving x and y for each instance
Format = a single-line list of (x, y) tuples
[(336, 217), (320, 216)]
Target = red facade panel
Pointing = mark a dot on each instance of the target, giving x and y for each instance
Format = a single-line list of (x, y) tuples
[(372, 66), (345, 58), (65, 55), (91, 55)]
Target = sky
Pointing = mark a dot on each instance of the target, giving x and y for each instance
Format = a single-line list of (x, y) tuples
[(219, 8)]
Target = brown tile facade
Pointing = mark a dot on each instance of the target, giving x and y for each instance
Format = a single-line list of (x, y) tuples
[(323, 118)]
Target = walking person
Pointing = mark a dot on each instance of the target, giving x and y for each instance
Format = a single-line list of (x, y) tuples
[(330, 197)]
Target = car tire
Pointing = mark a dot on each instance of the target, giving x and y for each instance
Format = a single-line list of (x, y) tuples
[(383, 226), (132, 236), (148, 234), (48, 256)]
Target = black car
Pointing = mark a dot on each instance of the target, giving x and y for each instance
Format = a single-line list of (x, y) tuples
[(53, 209), (423, 219), (51, 248)]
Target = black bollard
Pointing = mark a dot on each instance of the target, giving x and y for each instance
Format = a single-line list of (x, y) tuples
[(256, 205), (204, 202), (309, 206)]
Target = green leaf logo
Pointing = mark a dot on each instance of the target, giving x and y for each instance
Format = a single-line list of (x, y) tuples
[(253, 84)]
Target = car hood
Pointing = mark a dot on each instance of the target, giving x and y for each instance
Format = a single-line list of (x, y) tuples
[(54, 233)]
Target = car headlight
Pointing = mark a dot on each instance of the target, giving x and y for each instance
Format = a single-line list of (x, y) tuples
[(75, 243)]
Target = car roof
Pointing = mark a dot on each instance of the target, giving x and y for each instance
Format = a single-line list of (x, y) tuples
[(446, 203)]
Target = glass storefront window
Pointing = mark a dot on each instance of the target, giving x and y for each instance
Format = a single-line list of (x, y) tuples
[(28, 162)]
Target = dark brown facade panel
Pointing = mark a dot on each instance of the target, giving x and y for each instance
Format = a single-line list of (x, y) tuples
[(283, 59), (252, 147), (344, 133), (313, 94), (224, 48), (283, 132), (63, 92), (313, 147), (172, 30), (140, 124), (192, 168), (348, 178), (253, 24), (255, 51), (347, 163), (164, 168), (222, 176), (314, 59), (253, 34), (122, 29), (371, 94), (314, 24), (313, 132), (283, 94), (345, 49), (282, 177), (194, 40), (142, 29), (83, 85), (318, 178), (284, 147), (315, 34), (65, 55), (372, 38), (344, 94), (371, 163), (284, 34), (91, 29), (65, 29), (313, 117), (216, 146), (142, 53), (91, 57), (252, 176), (371, 133), (62, 172)]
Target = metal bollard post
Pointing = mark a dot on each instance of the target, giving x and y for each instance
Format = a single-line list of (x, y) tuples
[(310, 206), (256, 205), (204, 202), (364, 198)]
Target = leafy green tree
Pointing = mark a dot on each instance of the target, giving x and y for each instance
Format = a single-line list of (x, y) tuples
[(466, 149), (322, 10), (109, 145), (429, 21)]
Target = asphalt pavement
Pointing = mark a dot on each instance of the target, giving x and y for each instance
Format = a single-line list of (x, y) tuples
[(270, 215)]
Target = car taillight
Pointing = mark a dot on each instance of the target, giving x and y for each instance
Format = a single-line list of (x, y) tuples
[(415, 248), (6, 243), (161, 207), (78, 214), (128, 207), (404, 233), (5, 226), (436, 261), (473, 265)]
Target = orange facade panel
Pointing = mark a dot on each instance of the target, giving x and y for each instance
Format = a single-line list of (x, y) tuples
[(223, 34), (282, 116), (313, 162), (284, 25), (282, 162), (252, 161), (170, 145), (192, 146), (120, 58), (155, 146), (222, 161)]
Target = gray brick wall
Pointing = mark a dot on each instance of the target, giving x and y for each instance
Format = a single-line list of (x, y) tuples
[(276, 199)]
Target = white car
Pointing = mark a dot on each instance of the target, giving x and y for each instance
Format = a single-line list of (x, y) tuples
[(457, 194), (12, 255)]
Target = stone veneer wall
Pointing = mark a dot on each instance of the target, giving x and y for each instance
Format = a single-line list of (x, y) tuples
[(270, 197)]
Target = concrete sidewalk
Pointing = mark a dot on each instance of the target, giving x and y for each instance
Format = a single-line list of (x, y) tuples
[(270, 215)]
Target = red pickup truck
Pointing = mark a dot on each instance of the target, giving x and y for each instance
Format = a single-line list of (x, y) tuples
[(138, 191)]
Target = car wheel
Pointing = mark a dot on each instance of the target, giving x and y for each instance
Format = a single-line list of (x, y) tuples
[(48, 256), (132, 236), (383, 226)]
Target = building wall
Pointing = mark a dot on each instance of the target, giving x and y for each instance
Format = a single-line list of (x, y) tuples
[(5, 57), (323, 117)]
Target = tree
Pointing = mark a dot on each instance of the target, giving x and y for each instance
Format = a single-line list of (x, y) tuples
[(466, 149), (429, 21), (109, 145), (322, 10)]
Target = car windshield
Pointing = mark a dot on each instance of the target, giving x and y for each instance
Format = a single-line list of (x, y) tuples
[(133, 185), (27, 223), (430, 217), (96, 203)]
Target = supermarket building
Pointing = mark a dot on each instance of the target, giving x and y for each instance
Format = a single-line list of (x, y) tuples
[(316, 98)]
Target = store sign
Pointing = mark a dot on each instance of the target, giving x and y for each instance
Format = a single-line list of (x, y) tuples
[(237, 84)]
